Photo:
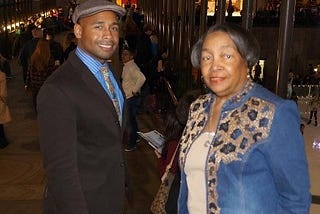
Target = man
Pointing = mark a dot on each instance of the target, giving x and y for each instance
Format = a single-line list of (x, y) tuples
[(27, 51), (5, 66), (132, 81), (81, 120), (56, 49)]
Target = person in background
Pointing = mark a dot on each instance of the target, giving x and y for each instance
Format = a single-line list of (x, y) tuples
[(237, 152), (42, 65), (302, 127), (27, 51), (174, 123), (122, 35), (5, 115), (161, 76), (154, 46), (131, 30), (70, 44), (56, 49), (5, 66), (81, 120), (257, 73), (143, 56), (314, 105), (132, 81)]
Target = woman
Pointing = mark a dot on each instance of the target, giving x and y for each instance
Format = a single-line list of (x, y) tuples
[(241, 150), (69, 45), (5, 116), (175, 121), (41, 66)]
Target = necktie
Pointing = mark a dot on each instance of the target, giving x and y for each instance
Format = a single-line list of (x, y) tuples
[(106, 74)]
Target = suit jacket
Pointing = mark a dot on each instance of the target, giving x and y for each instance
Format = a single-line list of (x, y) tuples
[(81, 141)]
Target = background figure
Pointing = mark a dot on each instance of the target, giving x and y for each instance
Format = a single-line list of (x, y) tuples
[(162, 73), (132, 31), (82, 122), (290, 83), (257, 73), (5, 116), (5, 66), (175, 121), (143, 56), (154, 45), (237, 150), (314, 105), (302, 126), (27, 51), (42, 64), (132, 81), (56, 49), (69, 45), (122, 35)]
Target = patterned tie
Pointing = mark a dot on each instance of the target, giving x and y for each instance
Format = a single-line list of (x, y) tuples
[(105, 73)]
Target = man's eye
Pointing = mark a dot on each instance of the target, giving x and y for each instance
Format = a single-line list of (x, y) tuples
[(115, 28), (98, 27)]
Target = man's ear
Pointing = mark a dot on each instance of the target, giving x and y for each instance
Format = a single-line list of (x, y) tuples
[(77, 30)]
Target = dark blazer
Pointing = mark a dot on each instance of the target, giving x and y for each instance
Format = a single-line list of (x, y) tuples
[(81, 141)]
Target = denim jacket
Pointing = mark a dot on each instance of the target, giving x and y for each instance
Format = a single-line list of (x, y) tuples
[(256, 162)]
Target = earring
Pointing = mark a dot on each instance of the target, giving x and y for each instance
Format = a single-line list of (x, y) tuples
[(249, 75), (203, 83)]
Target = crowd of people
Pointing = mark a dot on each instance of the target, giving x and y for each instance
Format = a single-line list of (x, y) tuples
[(235, 151)]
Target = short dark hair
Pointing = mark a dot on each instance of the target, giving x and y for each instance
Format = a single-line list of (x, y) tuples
[(247, 45), (131, 50), (147, 27)]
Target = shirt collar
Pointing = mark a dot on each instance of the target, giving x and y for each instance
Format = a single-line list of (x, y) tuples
[(93, 64)]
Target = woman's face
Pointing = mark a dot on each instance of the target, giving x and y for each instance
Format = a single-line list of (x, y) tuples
[(223, 69)]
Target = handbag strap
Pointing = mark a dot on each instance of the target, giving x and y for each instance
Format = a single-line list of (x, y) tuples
[(2, 100), (173, 157), (170, 163)]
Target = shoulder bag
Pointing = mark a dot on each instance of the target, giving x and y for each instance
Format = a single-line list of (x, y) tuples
[(158, 206)]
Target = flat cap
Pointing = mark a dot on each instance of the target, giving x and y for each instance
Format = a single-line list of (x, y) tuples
[(91, 7)]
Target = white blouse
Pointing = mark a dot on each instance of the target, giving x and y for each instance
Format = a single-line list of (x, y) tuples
[(195, 173)]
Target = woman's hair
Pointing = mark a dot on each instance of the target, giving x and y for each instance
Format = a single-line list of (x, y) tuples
[(68, 40), (247, 45), (41, 55), (173, 127)]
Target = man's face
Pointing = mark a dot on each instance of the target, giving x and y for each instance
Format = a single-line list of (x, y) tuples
[(126, 56), (98, 35)]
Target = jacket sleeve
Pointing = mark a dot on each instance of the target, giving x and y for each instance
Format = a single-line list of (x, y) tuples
[(288, 160), (58, 143), (139, 79), (3, 87)]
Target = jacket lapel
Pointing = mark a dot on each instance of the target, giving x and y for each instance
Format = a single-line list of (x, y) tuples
[(92, 83)]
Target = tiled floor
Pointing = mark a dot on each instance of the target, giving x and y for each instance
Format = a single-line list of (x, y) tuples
[(313, 156), (22, 176)]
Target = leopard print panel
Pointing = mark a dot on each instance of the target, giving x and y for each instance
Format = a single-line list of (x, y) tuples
[(238, 130)]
